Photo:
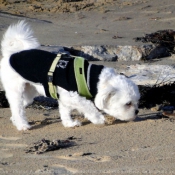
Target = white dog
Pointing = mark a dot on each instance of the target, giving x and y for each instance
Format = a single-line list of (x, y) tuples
[(24, 76)]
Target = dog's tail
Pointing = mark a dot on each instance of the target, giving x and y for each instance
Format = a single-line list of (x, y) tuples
[(18, 37)]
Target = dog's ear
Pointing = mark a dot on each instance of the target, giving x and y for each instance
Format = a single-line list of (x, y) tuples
[(102, 99)]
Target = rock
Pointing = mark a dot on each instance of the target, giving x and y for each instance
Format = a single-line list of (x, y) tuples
[(102, 53), (112, 53), (54, 49), (107, 53), (151, 51), (128, 53), (149, 74)]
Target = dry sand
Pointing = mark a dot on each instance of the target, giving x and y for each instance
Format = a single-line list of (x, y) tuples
[(144, 146)]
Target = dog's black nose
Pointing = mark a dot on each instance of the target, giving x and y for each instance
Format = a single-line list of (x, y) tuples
[(136, 111)]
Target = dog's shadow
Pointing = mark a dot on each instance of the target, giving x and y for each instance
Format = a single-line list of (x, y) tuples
[(141, 118), (150, 116), (37, 124)]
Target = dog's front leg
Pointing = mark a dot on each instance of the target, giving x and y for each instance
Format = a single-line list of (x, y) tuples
[(65, 115), (92, 113), (88, 108)]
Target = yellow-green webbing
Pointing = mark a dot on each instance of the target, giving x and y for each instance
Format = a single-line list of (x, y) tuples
[(80, 77), (52, 88)]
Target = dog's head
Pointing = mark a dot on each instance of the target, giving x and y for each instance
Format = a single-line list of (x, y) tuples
[(117, 95)]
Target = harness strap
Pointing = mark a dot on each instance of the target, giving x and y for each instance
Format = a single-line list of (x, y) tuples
[(52, 88), (80, 77)]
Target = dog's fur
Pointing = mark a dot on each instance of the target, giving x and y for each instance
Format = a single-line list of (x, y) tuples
[(117, 95)]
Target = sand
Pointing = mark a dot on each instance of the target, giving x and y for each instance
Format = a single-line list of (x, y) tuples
[(143, 146)]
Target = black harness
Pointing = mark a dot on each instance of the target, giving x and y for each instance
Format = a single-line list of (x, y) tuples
[(33, 65)]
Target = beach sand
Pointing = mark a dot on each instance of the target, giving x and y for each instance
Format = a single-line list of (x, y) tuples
[(143, 146)]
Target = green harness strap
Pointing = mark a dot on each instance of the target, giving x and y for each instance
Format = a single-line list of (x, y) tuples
[(52, 88), (80, 77)]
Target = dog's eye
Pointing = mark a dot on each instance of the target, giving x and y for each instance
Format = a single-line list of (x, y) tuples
[(128, 104)]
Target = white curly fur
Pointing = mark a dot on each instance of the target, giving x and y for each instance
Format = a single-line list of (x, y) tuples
[(117, 95)]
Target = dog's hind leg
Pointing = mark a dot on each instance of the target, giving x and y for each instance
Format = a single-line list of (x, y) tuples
[(14, 94), (29, 93)]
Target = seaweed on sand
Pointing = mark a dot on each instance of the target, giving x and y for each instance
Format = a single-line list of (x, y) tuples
[(158, 94), (161, 38), (47, 145)]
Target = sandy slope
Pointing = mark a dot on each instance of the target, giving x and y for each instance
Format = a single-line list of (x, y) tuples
[(145, 146)]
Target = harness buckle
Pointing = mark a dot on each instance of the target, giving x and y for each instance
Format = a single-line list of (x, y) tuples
[(50, 78)]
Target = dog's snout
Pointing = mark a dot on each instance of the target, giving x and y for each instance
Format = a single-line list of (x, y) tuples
[(136, 111)]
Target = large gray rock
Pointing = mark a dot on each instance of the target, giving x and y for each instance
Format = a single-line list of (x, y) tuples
[(128, 53), (121, 53), (112, 53), (107, 53)]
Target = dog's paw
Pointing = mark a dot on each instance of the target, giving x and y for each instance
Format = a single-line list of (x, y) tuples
[(98, 121), (69, 123), (23, 127), (20, 125)]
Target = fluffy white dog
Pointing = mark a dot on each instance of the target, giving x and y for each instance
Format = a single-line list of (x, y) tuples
[(23, 67)]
